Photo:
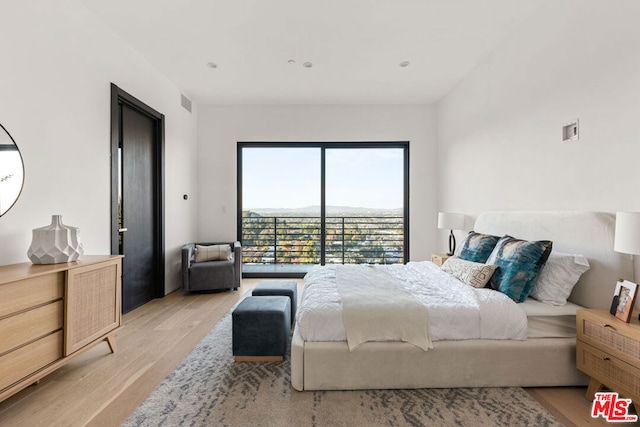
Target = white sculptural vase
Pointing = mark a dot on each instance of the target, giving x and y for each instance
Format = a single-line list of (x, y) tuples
[(55, 243)]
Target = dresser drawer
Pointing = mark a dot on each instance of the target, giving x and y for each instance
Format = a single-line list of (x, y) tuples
[(27, 293), (28, 359), (30, 325), (610, 371)]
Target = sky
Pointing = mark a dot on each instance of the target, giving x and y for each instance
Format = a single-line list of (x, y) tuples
[(290, 177)]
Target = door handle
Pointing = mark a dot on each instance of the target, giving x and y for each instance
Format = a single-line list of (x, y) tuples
[(121, 230)]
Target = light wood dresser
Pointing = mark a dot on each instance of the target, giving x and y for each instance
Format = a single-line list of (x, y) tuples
[(608, 350), (52, 313)]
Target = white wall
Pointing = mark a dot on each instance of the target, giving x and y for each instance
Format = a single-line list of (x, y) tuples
[(499, 130), (57, 65), (221, 127)]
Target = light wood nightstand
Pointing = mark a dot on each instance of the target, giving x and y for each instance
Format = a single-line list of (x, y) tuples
[(439, 259), (608, 350)]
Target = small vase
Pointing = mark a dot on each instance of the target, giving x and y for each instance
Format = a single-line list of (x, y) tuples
[(55, 243)]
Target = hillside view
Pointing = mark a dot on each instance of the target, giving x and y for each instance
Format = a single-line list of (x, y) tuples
[(293, 236)]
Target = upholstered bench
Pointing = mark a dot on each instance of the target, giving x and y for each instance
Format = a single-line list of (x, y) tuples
[(287, 288), (260, 328)]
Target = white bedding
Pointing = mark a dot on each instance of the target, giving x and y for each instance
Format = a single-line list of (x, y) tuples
[(376, 307), (456, 311), (534, 307), (550, 321)]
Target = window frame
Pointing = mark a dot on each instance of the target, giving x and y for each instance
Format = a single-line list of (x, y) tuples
[(404, 145)]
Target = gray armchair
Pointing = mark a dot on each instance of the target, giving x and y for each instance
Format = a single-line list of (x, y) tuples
[(211, 275)]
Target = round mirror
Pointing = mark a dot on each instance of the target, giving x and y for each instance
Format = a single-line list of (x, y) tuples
[(11, 171)]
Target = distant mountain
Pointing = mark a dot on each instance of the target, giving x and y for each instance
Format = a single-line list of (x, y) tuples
[(331, 211)]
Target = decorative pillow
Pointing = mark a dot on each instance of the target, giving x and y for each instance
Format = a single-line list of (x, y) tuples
[(519, 263), (558, 277), (472, 273), (477, 247), (213, 253)]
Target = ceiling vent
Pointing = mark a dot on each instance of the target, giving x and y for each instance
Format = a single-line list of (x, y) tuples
[(186, 102)]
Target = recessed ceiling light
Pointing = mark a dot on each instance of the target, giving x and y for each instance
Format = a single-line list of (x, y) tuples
[(291, 61), (212, 65), (404, 64), (307, 65)]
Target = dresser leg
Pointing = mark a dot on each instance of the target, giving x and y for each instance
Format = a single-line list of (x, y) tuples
[(111, 340), (594, 387)]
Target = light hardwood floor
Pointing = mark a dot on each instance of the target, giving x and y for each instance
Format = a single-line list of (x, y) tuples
[(102, 389)]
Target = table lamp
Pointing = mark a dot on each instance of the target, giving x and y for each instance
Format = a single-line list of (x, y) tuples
[(451, 221), (627, 235)]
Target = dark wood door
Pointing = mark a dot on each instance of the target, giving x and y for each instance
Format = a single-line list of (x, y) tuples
[(139, 218)]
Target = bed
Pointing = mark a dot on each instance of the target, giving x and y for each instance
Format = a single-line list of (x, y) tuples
[(535, 361)]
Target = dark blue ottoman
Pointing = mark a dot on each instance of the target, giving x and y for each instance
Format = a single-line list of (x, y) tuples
[(261, 328), (287, 288)]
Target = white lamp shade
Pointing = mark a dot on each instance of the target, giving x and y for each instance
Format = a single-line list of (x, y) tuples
[(627, 238), (451, 221)]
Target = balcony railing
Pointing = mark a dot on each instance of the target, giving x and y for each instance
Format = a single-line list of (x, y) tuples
[(348, 240)]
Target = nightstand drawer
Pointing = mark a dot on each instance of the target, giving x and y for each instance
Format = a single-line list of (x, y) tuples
[(610, 371), (611, 335)]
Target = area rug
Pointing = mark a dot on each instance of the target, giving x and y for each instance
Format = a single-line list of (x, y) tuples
[(209, 389)]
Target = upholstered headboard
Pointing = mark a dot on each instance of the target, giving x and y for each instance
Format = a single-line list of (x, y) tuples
[(586, 233)]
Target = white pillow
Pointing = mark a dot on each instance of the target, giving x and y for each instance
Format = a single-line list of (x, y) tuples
[(558, 277), (213, 253), (472, 273)]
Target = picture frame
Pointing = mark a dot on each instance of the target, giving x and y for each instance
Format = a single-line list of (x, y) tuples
[(624, 299)]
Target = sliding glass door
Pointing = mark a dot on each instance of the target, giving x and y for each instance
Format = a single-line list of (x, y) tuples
[(302, 204)]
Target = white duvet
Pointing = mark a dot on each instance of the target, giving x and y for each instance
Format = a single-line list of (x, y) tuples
[(456, 310)]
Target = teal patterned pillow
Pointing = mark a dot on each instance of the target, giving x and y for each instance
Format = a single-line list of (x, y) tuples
[(519, 262), (477, 247)]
